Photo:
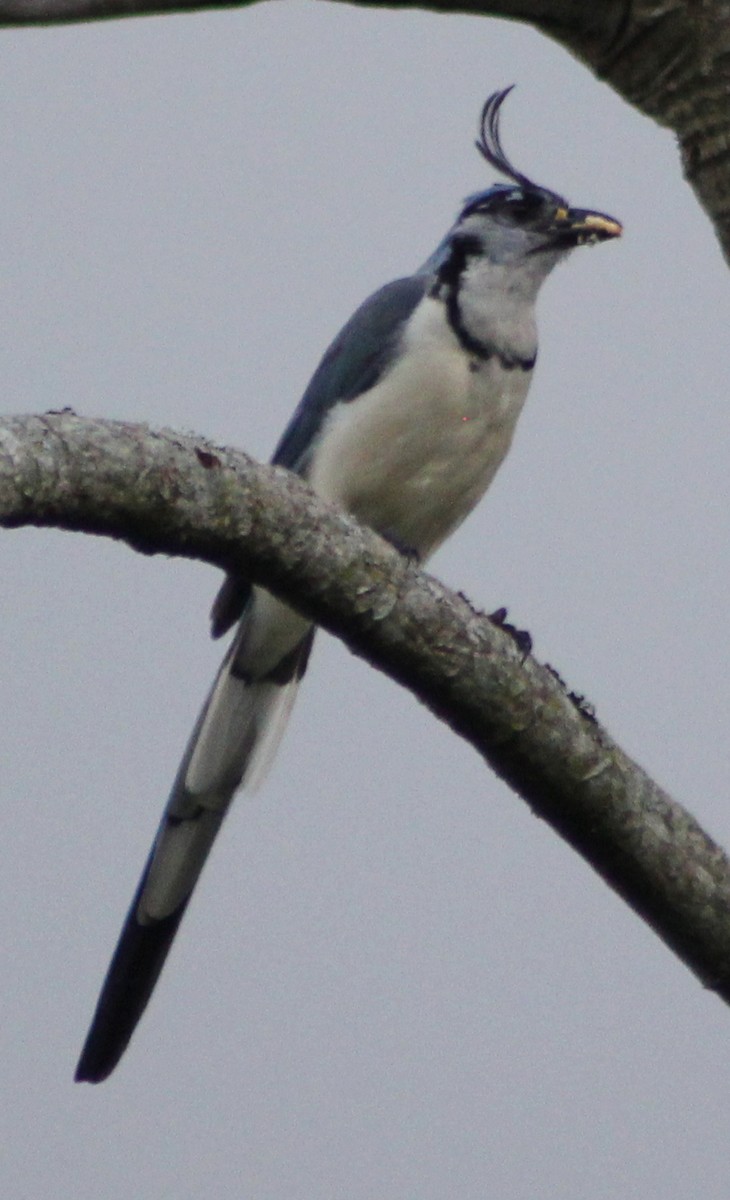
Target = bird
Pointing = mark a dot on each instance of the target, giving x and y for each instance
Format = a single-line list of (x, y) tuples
[(404, 424)]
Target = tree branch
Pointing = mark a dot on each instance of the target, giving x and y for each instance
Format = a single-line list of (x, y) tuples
[(162, 492)]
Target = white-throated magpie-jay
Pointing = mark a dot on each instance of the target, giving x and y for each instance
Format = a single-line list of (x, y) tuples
[(404, 424)]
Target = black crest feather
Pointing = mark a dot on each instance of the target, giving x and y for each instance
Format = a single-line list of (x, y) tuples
[(489, 143)]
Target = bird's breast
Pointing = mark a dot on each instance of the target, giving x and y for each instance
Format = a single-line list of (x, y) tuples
[(412, 456)]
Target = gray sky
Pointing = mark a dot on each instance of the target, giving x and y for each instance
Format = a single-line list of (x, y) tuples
[(394, 982)]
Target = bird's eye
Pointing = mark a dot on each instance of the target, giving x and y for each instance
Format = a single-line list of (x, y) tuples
[(521, 206)]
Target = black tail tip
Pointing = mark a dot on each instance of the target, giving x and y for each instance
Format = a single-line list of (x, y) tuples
[(97, 1063)]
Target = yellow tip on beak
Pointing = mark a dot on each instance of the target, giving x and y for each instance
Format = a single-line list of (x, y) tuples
[(582, 226), (598, 223)]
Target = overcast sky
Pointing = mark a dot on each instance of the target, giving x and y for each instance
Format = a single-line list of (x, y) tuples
[(394, 983)]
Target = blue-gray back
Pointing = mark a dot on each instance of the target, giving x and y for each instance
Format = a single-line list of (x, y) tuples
[(355, 361)]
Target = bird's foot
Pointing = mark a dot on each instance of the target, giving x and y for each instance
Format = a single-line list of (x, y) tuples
[(521, 637)]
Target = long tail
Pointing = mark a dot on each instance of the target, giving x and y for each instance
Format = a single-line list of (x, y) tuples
[(232, 744)]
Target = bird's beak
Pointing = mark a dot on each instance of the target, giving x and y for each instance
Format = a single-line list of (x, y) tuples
[(581, 226)]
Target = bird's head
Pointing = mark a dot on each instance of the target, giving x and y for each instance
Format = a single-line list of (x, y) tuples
[(513, 221), (490, 266)]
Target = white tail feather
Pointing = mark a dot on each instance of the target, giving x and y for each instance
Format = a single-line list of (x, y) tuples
[(232, 745)]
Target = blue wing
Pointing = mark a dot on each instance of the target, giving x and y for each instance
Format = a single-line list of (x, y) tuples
[(356, 360)]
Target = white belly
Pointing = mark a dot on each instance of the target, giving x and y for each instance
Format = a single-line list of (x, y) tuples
[(413, 456)]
